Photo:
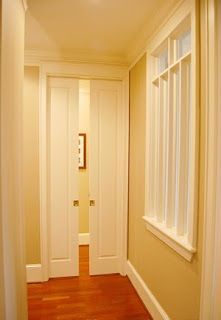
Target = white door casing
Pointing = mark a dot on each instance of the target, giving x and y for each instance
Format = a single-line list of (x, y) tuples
[(105, 176), (62, 171), (83, 71)]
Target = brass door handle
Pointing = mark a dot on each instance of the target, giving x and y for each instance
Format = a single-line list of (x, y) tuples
[(76, 203), (92, 203)]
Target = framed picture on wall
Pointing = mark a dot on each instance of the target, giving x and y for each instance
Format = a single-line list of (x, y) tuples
[(82, 151)]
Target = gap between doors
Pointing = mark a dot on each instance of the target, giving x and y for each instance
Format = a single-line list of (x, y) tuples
[(84, 144)]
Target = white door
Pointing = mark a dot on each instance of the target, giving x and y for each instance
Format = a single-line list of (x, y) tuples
[(105, 175), (62, 168)]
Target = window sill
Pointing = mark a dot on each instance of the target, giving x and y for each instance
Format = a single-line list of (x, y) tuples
[(167, 235)]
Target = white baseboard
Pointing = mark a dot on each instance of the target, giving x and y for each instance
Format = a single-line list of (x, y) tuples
[(84, 238), (145, 294), (33, 273)]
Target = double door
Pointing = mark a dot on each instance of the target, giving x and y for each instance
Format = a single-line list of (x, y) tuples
[(105, 176)]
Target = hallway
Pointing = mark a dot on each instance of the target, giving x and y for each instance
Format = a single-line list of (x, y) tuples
[(149, 153), (110, 297)]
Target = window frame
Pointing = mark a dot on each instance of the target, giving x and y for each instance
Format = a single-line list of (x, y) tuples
[(180, 22)]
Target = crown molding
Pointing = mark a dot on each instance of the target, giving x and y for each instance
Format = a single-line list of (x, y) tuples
[(35, 57), (139, 46), (25, 5)]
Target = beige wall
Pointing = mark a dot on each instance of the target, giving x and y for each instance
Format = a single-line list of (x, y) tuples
[(84, 106), (12, 262), (174, 281), (31, 164)]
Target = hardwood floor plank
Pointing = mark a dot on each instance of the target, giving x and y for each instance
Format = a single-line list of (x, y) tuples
[(106, 297)]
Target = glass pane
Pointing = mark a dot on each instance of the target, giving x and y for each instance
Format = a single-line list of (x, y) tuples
[(163, 61), (184, 44)]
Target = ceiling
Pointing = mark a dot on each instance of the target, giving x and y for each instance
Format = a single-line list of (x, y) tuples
[(92, 30)]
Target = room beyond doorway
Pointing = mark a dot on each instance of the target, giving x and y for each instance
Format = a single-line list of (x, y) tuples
[(83, 260), (84, 127)]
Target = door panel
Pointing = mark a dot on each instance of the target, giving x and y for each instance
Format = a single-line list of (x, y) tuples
[(63, 176), (104, 176)]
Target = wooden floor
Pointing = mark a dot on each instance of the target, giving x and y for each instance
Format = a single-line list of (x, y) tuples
[(109, 297)]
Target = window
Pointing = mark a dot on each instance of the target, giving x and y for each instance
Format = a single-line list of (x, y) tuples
[(171, 154)]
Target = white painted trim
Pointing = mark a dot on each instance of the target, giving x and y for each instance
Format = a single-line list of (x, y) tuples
[(81, 71), (210, 285), (31, 64), (39, 56), (25, 5), (178, 11), (143, 52), (125, 162), (84, 238), (184, 17), (43, 176), (169, 236), (182, 11), (149, 300), (84, 70), (33, 273)]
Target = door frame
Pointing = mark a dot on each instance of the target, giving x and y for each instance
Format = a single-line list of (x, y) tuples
[(80, 71)]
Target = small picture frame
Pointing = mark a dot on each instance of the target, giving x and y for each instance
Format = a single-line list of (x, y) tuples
[(82, 151)]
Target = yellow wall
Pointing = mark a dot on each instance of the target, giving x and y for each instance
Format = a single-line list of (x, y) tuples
[(31, 164), (84, 105), (174, 281)]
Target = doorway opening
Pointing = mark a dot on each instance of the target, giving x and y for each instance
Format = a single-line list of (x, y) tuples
[(68, 179), (84, 140)]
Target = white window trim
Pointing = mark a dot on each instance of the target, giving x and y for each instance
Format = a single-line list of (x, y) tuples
[(178, 243), (185, 246)]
